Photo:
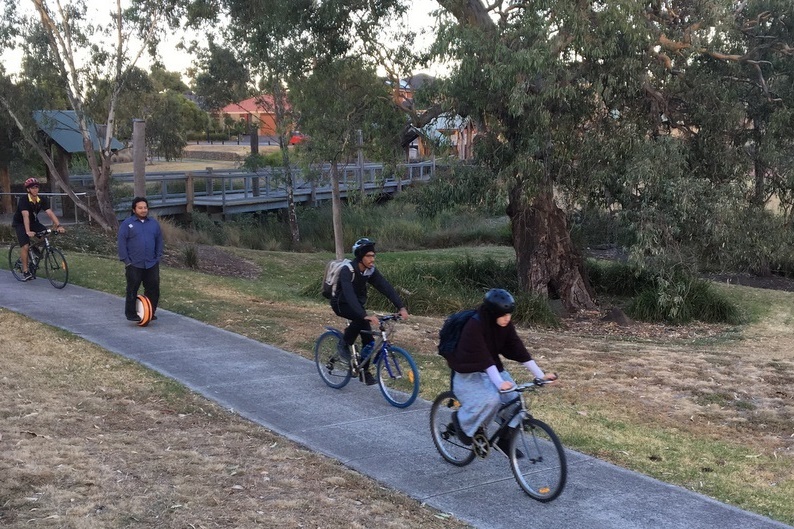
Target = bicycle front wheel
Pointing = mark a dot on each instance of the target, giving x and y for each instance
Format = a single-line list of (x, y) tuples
[(334, 371), (538, 460), (443, 431), (15, 261), (55, 267), (398, 377)]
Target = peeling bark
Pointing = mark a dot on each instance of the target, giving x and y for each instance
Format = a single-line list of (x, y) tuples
[(548, 262)]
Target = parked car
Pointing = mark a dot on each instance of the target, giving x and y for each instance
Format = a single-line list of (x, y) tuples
[(297, 138)]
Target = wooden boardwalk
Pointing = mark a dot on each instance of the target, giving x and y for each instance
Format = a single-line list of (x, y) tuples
[(222, 193)]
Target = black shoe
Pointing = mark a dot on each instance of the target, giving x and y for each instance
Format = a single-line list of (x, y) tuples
[(134, 318), (465, 439), (504, 446), (27, 276), (368, 379), (343, 350), (153, 318)]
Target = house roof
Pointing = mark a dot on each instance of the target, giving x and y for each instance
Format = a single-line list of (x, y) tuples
[(62, 127), (252, 105)]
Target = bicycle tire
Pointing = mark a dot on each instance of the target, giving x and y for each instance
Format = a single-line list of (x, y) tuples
[(55, 267), (443, 432), (542, 471), (398, 377), (333, 371), (15, 261)]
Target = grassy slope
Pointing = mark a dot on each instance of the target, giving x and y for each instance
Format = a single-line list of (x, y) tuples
[(663, 401)]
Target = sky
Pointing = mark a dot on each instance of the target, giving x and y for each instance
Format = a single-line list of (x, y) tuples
[(177, 60)]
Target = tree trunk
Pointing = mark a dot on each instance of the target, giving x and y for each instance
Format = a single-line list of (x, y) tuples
[(6, 202), (548, 262), (336, 212)]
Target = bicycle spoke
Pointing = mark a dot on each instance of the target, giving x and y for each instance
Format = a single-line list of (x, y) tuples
[(398, 377), (55, 267), (540, 467), (443, 431), (333, 370), (15, 261)]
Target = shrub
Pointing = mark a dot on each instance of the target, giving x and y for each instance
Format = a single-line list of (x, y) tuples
[(190, 256), (444, 288), (682, 300)]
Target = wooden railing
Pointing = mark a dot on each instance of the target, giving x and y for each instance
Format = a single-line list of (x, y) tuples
[(220, 193)]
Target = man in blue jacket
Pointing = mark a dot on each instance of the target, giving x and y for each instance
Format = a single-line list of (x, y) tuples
[(140, 249)]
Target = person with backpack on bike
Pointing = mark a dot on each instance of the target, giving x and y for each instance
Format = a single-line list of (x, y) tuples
[(350, 299), (478, 373), (26, 221)]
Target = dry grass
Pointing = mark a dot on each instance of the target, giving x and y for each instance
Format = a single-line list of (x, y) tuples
[(191, 164), (89, 440)]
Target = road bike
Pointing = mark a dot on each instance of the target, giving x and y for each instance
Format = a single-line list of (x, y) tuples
[(41, 254), (536, 455), (395, 370)]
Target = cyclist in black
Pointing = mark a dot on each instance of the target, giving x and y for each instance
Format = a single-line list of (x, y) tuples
[(478, 373), (26, 221), (350, 299)]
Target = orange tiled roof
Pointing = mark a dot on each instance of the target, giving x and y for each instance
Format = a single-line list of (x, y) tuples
[(250, 106)]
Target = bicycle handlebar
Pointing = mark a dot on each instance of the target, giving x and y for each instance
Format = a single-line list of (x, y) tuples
[(42, 233), (529, 386)]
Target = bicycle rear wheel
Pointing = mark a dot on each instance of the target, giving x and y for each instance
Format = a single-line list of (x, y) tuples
[(334, 371), (542, 471), (15, 261), (443, 431), (398, 377), (55, 267)]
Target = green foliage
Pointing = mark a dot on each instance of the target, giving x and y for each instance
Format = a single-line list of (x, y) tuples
[(190, 256), (460, 187), (222, 77), (449, 286), (166, 128), (617, 279), (211, 231), (253, 162), (681, 300)]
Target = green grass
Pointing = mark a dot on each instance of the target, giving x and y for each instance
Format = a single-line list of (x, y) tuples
[(728, 471)]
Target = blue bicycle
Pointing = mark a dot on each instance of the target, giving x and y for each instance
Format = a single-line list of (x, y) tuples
[(395, 370)]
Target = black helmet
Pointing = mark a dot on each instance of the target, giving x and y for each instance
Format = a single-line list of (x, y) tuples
[(362, 246), (499, 302)]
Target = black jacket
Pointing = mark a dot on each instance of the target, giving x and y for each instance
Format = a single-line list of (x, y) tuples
[(481, 343), (354, 293)]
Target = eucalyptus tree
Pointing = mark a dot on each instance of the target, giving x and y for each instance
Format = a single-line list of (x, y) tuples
[(77, 49), (661, 109), (284, 42), (340, 100)]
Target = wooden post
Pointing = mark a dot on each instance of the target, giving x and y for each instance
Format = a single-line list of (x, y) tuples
[(210, 184), (190, 193), (360, 161), (139, 157)]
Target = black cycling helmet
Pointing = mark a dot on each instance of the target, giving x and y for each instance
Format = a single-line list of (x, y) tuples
[(362, 246), (499, 302)]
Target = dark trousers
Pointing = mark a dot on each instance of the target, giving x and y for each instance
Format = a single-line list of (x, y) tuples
[(356, 324), (150, 277)]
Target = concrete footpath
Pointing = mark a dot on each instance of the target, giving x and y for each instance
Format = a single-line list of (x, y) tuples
[(283, 392)]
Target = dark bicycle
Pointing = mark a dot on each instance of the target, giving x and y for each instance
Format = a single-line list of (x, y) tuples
[(536, 455), (41, 255), (396, 371)]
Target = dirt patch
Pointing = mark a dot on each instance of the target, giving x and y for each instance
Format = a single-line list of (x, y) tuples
[(214, 261)]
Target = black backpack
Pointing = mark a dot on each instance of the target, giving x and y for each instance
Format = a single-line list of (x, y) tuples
[(449, 335)]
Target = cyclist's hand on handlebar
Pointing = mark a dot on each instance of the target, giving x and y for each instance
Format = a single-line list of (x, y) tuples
[(403, 312), (373, 320), (506, 386), (31, 233), (60, 229)]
